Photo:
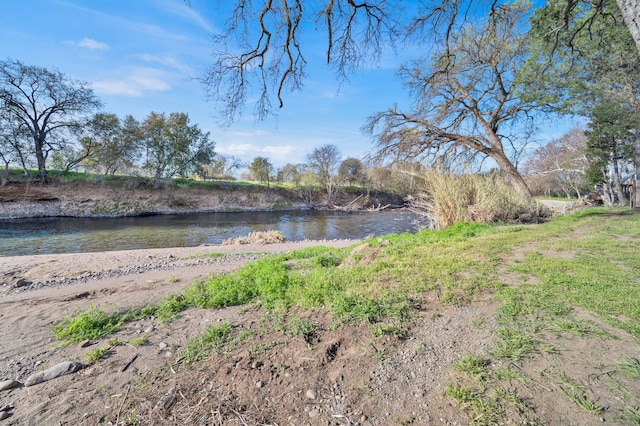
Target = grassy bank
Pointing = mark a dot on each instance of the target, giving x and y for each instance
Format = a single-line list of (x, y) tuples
[(557, 286)]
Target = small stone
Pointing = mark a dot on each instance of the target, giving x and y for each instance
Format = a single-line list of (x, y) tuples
[(85, 343), (21, 282), (259, 384), (311, 394), (166, 401), (163, 345), (256, 364), (9, 384), (4, 415), (148, 329), (66, 367), (7, 407), (363, 418)]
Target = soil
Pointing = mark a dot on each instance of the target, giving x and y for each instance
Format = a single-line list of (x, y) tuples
[(141, 196), (338, 375)]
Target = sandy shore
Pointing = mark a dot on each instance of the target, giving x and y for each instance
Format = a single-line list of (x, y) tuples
[(54, 275)]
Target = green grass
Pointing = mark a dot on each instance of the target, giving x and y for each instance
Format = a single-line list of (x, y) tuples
[(586, 262), (95, 354), (211, 340)]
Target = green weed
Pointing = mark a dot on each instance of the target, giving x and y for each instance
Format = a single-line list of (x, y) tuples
[(95, 354), (212, 339)]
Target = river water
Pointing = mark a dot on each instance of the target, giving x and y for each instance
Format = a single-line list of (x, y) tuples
[(77, 235)]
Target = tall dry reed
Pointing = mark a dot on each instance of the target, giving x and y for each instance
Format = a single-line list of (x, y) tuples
[(447, 198)]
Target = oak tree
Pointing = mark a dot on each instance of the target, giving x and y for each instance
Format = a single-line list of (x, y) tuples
[(45, 105), (466, 108)]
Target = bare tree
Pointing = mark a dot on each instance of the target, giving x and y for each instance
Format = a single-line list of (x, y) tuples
[(47, 103), (262, 44), (560, 165), (465, 103), (323, 162)]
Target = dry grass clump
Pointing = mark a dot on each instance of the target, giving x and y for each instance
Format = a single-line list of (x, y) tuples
[(447, 198), (258, 237)]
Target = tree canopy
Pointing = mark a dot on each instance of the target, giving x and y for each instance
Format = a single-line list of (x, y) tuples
[(41, 106)]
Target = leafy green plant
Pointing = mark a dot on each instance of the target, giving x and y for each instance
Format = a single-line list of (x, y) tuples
[(90, 324), (95, 354)]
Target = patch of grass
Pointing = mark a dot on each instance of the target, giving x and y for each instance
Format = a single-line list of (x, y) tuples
[(580, 328), (303, 327), (631, 368), (95, 354), (481, 410), (513, 344), (138, 341), (206, 255), (212, 339), (474, 366), (87, 325), (574, 392)]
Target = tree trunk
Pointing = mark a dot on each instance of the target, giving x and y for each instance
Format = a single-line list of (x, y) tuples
[(631, 13), (622, 199), (636, 175), (512, 174), (42, 166)]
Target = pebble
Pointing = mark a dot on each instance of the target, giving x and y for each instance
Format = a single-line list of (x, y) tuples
[(9, 384), (163, 345), (259, 384), (7, 407), (311, 394), (66, 367), (119, 272)]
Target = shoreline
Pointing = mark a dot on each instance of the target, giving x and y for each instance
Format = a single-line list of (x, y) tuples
[(30, 273)]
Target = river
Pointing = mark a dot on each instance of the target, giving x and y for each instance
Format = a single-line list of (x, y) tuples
[(80, 235)]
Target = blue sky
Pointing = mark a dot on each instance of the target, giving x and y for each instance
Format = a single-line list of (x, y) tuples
[(145, 55)]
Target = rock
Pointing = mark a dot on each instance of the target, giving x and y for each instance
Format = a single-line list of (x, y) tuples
[(7, 407), (256, 364), (21, 282), (259, 384), (4, 415), (66, 367), (85, 343), (9, 384), (163, 345), (166, 402), (311, 394)]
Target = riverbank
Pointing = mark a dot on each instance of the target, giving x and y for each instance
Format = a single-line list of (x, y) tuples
[(503, 324), (146, 197)]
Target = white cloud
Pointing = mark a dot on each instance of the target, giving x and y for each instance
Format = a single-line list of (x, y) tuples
[(133, 83), (91, 44), (168, 61)]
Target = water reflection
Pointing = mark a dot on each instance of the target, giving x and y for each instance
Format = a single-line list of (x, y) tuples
[(74, 235)]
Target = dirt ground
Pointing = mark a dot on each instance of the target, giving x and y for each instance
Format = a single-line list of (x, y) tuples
[(337, 376)]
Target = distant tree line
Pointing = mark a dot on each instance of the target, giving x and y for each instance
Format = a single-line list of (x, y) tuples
[(494, 70)]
